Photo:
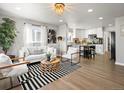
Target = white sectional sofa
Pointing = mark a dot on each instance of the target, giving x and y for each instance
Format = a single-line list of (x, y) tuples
[(35, 54)]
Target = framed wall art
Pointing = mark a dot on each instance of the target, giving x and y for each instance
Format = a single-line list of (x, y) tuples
[(51, 36)]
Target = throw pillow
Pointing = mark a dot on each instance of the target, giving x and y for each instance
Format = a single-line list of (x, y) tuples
[(35, 51)]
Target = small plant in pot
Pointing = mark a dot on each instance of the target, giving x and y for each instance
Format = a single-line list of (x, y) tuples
[(48, 55)]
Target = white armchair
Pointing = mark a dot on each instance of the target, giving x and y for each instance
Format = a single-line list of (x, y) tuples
[(8, 69), (72, 54)]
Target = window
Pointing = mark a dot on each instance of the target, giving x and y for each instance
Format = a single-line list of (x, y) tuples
[(36, 35)]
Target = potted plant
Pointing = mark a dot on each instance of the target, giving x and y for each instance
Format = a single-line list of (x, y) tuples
[(48, 55), (7, 33)]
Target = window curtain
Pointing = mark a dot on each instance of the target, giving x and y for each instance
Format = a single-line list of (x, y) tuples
[(27, 34), (43, 35)]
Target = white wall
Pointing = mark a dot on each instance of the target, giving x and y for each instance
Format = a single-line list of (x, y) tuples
[(82, 33), (119, 41), (19, 40), (110, 29), (106, 36), (62, 31)]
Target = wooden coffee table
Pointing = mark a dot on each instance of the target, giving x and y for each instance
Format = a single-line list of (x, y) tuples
[(50, 66)]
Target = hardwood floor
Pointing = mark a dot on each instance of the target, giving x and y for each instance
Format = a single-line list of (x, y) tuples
[(93, 74)]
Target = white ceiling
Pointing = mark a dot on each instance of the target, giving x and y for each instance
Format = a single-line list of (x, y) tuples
[(75, 15)]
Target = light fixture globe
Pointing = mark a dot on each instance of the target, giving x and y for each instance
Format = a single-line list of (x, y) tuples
[(59, 8)]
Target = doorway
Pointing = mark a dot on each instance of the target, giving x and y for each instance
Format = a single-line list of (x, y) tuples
[(113, 46)]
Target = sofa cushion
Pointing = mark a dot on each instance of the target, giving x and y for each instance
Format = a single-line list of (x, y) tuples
[(66, 56), (35, 51), (72, 50), (32, 57), (18, 70)]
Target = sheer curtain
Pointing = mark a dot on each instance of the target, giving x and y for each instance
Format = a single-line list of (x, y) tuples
[(27, 34), (43, 35)]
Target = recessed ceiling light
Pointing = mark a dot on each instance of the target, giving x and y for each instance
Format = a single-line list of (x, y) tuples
[(60, 20), (90, 10), (18, 8), (100, 18), (109, 24)]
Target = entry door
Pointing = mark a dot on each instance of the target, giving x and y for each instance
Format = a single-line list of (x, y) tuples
[(113, 46)]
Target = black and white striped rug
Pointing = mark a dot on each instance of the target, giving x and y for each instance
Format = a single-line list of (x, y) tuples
[(35, 79)]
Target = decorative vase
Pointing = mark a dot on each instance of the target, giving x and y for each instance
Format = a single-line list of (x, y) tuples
[(48, 58)]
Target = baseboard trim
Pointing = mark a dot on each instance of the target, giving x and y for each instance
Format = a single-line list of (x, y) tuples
[(121, 64)]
